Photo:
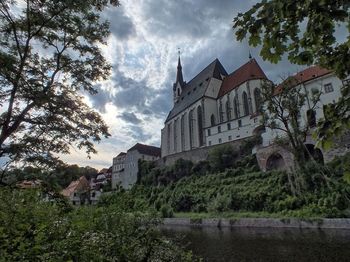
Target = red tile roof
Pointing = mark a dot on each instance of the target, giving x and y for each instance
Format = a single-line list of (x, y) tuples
[(74, 186), (306, 75), (249, 71), (146, 149)]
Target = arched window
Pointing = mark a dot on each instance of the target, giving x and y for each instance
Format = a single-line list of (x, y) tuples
[(221, 112), (228, 110), (183, 132), (168, 137), (212, 120), (175, 135), (191, 126), (257, 98), (178, 92), (245, 103), (236, 106), (200, 125)]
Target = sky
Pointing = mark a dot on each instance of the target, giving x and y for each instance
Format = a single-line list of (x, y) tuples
[(143, 50)]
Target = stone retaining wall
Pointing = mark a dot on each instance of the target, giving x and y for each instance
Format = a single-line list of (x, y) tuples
[(335, 223)]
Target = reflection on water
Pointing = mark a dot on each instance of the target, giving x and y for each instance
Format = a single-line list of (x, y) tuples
[(263, 244)]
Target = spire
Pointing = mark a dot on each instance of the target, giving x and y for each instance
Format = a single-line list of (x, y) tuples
[(179, 77)]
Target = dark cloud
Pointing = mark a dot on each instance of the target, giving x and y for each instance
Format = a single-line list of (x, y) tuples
[(100, 99), (121, 26), (130, 118), (137, 133)]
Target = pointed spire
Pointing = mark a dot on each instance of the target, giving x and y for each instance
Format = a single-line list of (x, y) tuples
[(250, 56), (179, 77)]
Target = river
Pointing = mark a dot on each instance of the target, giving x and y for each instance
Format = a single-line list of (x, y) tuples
[(263, 244)]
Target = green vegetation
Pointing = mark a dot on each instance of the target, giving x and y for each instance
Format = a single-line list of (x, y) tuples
[(242, 190), (32, 229)]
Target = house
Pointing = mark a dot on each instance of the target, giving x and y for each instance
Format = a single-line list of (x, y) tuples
[(78, 191), (118, 168), (126, 172)]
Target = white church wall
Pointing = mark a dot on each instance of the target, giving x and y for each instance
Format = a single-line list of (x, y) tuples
[(213, 88)]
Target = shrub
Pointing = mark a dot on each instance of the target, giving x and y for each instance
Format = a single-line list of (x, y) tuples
[(222, 157)]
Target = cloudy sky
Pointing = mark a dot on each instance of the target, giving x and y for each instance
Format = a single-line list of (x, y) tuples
[(143, 49)]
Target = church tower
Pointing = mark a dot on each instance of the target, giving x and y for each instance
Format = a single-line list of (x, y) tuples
[(179, 83)]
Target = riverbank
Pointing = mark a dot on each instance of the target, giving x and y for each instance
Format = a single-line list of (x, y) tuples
[(319, 223)]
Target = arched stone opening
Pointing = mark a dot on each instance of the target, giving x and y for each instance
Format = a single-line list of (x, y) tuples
[(275, 162), (200, 125), (314, 152)]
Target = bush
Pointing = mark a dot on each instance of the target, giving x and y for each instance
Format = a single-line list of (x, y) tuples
[(166, 211), (222, 157)]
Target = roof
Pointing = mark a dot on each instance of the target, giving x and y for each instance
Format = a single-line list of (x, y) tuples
[(29, 184), (75, 186), (249, 71), (121, 154), (195, 89), (303, 76), (146, 149)]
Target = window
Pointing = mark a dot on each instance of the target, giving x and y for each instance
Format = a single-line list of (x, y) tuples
[(240, 123), (220, 140), (328, 88), (236, 106), (228, 126), (257, 97), (245, 103), (229, 138), (209, 133), (212, 120), (221, 112), (311, 117), (209, 143), (178, 92), (74, 203), (228, 109), (200, 125), (219, 129), (93, 194)]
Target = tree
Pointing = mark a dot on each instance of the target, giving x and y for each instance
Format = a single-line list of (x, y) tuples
[(50, 56), (283, 106), (306, 32)]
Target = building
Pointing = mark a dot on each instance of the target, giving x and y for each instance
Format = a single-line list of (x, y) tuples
[(311, 80), (126, 165), (215, 108), (78, 191), (117, 168)]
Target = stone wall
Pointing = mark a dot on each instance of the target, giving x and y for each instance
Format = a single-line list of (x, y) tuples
[(195, 155)]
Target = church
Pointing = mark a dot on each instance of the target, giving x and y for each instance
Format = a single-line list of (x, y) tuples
[(216, 107), (213, 108)]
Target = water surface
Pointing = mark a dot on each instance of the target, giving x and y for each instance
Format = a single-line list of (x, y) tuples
[(263, 244)]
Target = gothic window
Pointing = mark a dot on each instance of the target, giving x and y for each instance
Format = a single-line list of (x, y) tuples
[(191, 125), (236, 106), (175, 135), (168, 137), (178, 92), (221, 112), (212, 120), (200, 125), (228, 110), (245, 103), (257, 98), (183, 132)]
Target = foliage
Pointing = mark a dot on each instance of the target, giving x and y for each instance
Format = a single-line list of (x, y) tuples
[(59, 178), (49, 56), (35, 230), (245, 189), (306, 32), (282, 113), (222, 157)]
